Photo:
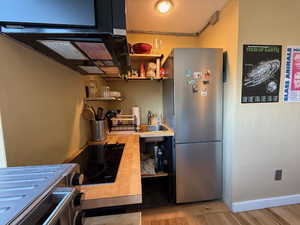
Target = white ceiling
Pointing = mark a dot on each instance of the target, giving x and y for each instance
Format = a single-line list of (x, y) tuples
[(187, 16)]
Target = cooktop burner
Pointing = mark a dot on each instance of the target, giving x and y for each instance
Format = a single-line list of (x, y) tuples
[(100, 163)]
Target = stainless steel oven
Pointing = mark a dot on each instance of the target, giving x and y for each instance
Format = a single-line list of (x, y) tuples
[(43, 195), (61, 207), (40, 195)]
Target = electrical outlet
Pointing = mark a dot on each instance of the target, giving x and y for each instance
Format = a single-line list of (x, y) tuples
[(278, 174)]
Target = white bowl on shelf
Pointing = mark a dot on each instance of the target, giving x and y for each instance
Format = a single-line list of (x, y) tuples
[(115, 94)]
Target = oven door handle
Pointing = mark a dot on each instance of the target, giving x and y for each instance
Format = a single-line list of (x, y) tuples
[(68, 195)]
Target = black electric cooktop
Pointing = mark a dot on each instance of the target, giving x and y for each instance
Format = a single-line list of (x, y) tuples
[(100, 163)]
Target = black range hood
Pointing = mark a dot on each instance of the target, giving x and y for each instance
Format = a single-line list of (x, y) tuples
[(88, 36)]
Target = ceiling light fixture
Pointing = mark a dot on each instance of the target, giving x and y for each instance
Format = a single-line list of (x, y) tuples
[(164, 6)]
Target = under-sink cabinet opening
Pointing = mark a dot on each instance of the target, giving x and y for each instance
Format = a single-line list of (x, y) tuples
[(158, 172)]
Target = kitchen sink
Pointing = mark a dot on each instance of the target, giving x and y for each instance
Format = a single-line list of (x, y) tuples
[(150, 128)]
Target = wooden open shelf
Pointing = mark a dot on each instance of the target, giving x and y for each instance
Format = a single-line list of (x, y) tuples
[(145, 78), (155, 175), (132, 78), (103, 99), (136, 60), (145, 57)]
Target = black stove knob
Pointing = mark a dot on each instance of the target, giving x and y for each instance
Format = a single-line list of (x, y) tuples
[(77, 179), (77, 199), (79, 218)]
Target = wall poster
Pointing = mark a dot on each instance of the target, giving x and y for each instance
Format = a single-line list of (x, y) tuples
[(292, 74), (261, 73)]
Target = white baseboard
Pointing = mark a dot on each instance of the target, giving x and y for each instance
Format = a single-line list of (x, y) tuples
[(265, 203)]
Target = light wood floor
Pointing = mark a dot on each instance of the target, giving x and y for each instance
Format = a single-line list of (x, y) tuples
[(216, 213)]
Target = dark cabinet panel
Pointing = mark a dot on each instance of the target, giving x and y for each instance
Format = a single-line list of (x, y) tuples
[(159, 188), (51, 12)]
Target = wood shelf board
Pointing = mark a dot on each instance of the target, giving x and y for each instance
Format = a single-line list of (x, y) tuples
[(103, 99), (155, 175), (111, 77), (146, 78), (145, 57), (133, 78)]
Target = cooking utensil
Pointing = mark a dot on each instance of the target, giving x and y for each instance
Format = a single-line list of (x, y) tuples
[(99, 113), (99, 130), (94, 111), (88, 113), (110, 115)]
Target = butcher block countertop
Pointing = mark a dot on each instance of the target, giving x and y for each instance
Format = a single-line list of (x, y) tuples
[(127, 187)]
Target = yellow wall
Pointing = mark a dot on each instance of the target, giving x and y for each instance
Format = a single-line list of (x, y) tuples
[(41, 105), (41, 102), (2, 147), (258, 138), (267, 135), (225, 35), (145, 94)]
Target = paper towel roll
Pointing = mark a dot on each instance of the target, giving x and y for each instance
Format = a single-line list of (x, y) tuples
[(136, 113)]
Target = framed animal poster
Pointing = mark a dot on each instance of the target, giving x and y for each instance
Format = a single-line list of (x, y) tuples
[(292, 75), (261, 73)]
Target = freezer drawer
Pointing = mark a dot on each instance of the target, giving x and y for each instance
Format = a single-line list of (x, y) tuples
[(198, 172)]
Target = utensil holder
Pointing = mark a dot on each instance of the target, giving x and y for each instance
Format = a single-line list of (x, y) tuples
[(99, 130)]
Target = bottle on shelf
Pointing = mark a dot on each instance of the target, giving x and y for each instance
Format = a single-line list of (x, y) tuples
[(157, 68), (162, 72), (158, 159), (142, 70)]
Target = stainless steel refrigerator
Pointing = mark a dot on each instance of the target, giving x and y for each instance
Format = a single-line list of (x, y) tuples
[(193, 103)]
